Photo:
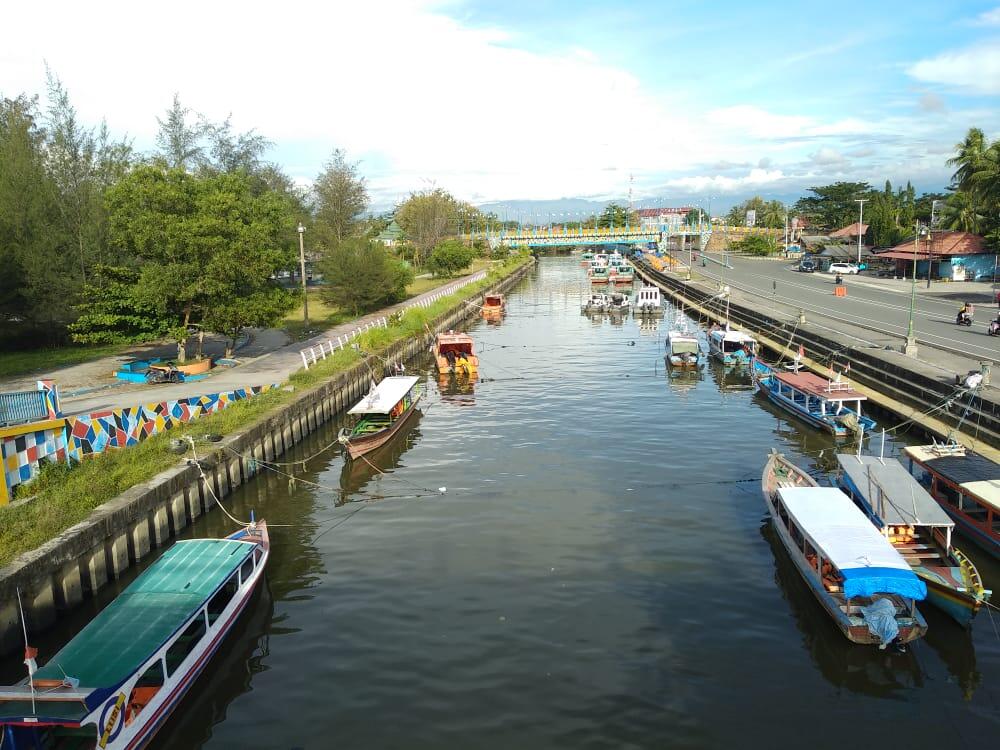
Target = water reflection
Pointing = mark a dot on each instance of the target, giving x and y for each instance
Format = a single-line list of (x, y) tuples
[(357, 473), (860, 669), (457, 390), (730, 378)]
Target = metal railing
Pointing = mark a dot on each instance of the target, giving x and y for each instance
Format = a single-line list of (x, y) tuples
[(18, 407)]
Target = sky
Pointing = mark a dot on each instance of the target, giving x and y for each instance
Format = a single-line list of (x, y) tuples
[(679, 102)]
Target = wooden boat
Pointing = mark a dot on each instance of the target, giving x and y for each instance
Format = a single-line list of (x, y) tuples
[(115, 684), (599, 275), (621, 274), (856, 575), (494, 304), (380, 414), (683, 348), (647, 301), (830, 405), (918, 528), (453, 352), (964, 483), (619, 303), (598, 302), (731, 347)]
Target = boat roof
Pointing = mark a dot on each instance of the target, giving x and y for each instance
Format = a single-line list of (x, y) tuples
[(130, 629), (843, 534), (969, 470), (731, 335), (385, 395), (823, 388), (906, 501), (452, 337)]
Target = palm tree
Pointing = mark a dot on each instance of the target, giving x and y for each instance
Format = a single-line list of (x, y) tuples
[(773, 215), (967, 157), (985, 179), (961, 212)]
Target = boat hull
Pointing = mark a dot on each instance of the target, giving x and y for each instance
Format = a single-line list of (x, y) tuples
[(359, 446), (960, 606), (792, 408)]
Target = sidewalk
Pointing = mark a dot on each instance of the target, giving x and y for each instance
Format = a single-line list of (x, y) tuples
[(269, 357)]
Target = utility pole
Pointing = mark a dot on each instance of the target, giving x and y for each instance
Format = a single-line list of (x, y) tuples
[(302, 270), (930, 245), (861, 215)]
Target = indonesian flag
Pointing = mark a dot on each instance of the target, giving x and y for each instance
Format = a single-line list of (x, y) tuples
[(802, 352), (29, 659)]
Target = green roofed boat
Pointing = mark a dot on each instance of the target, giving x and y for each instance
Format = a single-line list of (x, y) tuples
[(114, 685)]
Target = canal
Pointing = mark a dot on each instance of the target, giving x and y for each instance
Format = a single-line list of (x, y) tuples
[(598, 573)]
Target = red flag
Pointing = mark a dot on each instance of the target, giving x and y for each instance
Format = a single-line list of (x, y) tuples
[(29, 659)]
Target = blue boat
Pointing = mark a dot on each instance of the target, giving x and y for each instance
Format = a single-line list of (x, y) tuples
[(830, 405)]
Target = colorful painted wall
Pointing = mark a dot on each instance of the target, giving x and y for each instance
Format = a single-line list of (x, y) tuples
[(24, 447)]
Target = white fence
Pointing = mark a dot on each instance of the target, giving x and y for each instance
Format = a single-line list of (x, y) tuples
[(325, 349)]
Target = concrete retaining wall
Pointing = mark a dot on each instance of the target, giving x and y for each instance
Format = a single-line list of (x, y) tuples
[(120, 533)]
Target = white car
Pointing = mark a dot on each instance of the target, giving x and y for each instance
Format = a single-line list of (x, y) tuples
[(843, 268)]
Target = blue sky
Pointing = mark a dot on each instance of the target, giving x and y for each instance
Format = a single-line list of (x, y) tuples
[(543, 100)]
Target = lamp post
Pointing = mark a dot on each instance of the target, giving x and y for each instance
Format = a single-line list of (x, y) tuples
[(930, 245), (302, 271), (861, 215), (910, 348)]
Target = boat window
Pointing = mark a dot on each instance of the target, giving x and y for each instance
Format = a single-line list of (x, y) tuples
[(974, 510), (186, 642), (222, 597), (246, 570), (796, 535), (147, 686), (257, 555), (947, 493), (995, 522)]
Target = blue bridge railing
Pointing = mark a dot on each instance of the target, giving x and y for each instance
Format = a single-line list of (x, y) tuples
[(22, 406)]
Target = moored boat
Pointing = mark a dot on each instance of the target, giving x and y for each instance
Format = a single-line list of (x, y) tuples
[(599, 275), (830, 405), (731, 347), (622, 274), (598, 302), (918, 528), (453, 352), (856, 575), (494, 306), (964, 483), (115, 684), (683, 348), (380, 414), (619, 302), (647, 301)]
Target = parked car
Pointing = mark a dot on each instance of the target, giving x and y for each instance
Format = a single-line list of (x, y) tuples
[(843, 268), (807, 265)]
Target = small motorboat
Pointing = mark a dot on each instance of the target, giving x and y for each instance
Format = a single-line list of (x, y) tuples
[(683, 348), (859, 578), (919, 528), (599, 275), (598, 302), (830, 405), (453, 352), (647, 301), (116, 682), (494, 306), (380, 414), (731, 347), (619, 302), (622, 274)]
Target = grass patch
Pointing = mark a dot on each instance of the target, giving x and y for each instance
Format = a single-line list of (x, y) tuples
[(63, 498), (41, 360)]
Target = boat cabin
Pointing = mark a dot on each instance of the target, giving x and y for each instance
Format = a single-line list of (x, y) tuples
[(732, 346), (647, 299), (598, 274), (453, 352), (494, 302), (832, 405), (965, 484)]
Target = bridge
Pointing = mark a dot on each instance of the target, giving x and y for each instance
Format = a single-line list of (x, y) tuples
[(573, 236)]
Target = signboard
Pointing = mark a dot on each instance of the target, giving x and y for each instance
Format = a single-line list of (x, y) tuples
[(751, 217)]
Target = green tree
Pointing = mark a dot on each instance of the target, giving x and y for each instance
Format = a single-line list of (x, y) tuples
[(204, 243), (881, 216), (967, 158), (961, 212), (114, 311), (616, 215), (693, 217), (362, 275), (178, 139), (450, 257), (427, 218), (341, 199), (833, 206), (756, 244)]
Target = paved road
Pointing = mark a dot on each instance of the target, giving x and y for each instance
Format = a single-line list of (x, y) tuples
[(871, 303)]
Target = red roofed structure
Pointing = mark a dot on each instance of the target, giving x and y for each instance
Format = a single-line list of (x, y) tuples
[(955, 255), (851, 230)]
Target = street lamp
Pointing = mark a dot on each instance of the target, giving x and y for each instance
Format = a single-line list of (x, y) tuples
[(930, 244), (302, 270), (861, 215), (910, 348)]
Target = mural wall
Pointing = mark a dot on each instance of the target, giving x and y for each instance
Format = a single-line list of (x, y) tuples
[(24, 447)]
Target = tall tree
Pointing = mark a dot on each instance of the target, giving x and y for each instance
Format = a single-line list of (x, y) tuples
[(232, 152), (618, 216), (968, 153), (427, 218), (179, 139), (961, 212), (341, 198), (362, 275), (833, 206)]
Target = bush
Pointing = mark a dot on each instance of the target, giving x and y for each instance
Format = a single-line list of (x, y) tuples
[(450, 257), (756, 244)]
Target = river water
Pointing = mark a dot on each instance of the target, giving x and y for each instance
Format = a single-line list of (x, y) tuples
[(599, 573)]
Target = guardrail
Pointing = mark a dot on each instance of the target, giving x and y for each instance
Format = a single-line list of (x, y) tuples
[(324, 349), (17, 407)]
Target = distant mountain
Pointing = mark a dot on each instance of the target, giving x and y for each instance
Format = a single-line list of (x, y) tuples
[(527, 210)]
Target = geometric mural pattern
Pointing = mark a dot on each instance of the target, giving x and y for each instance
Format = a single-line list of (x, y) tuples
[(93, 433)]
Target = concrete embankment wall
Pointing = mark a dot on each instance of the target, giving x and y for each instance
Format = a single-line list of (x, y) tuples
[(119, 534), (900, 384)]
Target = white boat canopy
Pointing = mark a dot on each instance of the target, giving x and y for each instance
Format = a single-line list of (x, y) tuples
[(842, 534), (731, 335), (892, 492), (385, 395)]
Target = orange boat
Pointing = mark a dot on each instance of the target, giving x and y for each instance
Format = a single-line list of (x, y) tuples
[(453, 353), (494, 303)]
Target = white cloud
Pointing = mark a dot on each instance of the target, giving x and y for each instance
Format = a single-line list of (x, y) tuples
[(975, 69), (705, 183), (988, 18), (827, 157)]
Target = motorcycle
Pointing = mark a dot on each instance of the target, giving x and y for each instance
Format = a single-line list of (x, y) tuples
[(160, 374), (964, 318), (994, 329)]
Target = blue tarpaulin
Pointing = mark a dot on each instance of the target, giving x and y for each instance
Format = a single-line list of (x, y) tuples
[(871, 581)]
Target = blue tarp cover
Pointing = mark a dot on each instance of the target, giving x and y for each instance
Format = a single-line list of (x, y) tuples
[(871, 581)]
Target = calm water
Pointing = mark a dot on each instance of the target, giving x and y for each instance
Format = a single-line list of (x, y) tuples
[(599, 574)]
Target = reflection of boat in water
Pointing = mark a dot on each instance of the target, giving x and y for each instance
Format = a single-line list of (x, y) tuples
[(356, 474), (842, 664), (856, 575), (732, 377), (457, 389), (380, 414), (684, 378)]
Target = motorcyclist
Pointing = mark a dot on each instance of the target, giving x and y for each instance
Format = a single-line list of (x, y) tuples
[(965, 313), (838, 280), (995, 325)]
